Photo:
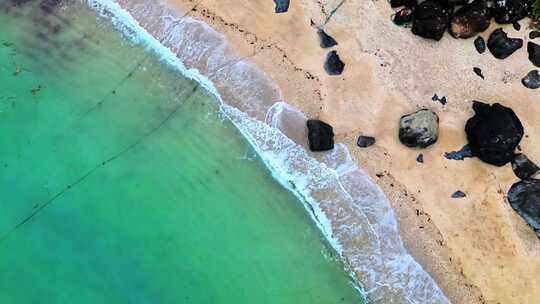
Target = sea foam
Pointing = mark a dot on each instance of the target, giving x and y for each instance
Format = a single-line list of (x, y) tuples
[(348, 207)]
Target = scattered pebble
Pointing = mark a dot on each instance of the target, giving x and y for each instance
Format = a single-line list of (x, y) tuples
[(442, 100), (366, 141), (531, 80), (420, 158), (333, 64), (478, 72), (459, 194), (403, 16), (480, 45), (465, 152), (326, 41)]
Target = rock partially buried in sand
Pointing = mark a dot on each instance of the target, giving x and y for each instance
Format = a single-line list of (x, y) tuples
[(403, 16), (501, 46), (325, 40), (523, 167), (534, 53), (430, 19), (419, 129), (509, 11), (365, 141), (459, 194), (333, 64), (531, 80), (480, 45), (470, 20), (282, 6), (320, 136), (493, 133), (524, 197)]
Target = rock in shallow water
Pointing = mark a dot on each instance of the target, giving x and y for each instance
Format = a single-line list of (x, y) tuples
[(365, 141), (282, 6), (333, 64), (534, 53), (510, 11), (493, 133), (470, 19), (524, 197), (480, 45), (419, 129), (430, 19), (523, 167), (531, 80), (326, 41), (501, 46), (320, 136)]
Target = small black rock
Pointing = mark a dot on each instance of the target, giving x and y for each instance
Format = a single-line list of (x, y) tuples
[(333, 64), (459, 194), (282, 6), (430, 20), (534, 53), (465, 152), (420, 158), (365, 141), (480, 45), (407, 3), (493, 133), (501, 46), (534, 34), (516, 26), (442, 100), (478, 72), (403, 16), (509, 11), (523, 167), (531, 80), (320, 136), (326, 41), (524, 197)]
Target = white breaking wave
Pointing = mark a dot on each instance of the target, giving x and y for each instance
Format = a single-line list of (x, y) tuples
[(348, 207)]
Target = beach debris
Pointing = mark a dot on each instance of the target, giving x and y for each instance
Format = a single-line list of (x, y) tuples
[(470, 19), (501, 46), (523, 167), (326, 41), (509, 11), (282, 6), (407, 3), (534, 53), (493, 133), (524, 197), (420, 158), (365, 141), (403, 16), (480, 45), (531, 80), (534, 34), (320, 135), (465, 152), (419, 129), (459, 194), (516, 26), (430, 19), (478, 72), (333, 64), (442, 100)]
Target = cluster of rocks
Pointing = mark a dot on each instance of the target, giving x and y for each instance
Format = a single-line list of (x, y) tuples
[(467, 18)]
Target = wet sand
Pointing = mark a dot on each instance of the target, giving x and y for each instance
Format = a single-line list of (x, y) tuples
[(477, 248)]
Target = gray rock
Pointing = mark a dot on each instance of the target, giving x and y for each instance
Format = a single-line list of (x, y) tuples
[(531, 80), (459, 194), (365, 141), (420, 158), (524, 197), (523, 167), (419, 129)]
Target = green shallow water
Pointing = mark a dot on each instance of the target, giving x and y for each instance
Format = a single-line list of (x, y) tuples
[(121, 183)]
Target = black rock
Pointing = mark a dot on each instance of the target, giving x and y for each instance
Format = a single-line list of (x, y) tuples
[(531, 80), (480, 45), (430, 20), (524, 197), (465, 152), (326, 41), (493, 133), (282, 6), (442, 100), (534, 53), (459, 194), (320, 136), (509, 11), (420, 158), (478, 72), (403, 16), (534, 34), (470, 19), (407, 3), (365, 141), (452, 3), (516, 26), (523, 167), (419, 129), (333, 65), (501, 46)]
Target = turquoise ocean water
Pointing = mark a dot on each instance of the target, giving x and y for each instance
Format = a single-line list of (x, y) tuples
[(120, 182)]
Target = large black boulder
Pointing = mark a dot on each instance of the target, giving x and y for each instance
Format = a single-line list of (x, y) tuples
[(430, 20), (501, 46), (523, 167), (320, 136), (470, 20), (510, 11), (524, 197), (333, 64), (534, 53), (480, 45), (493, 133)]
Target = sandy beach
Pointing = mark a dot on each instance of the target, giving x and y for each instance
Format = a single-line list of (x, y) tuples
[(477, 248)]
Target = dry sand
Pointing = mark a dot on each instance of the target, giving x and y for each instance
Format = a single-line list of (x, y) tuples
[(477, 248)]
